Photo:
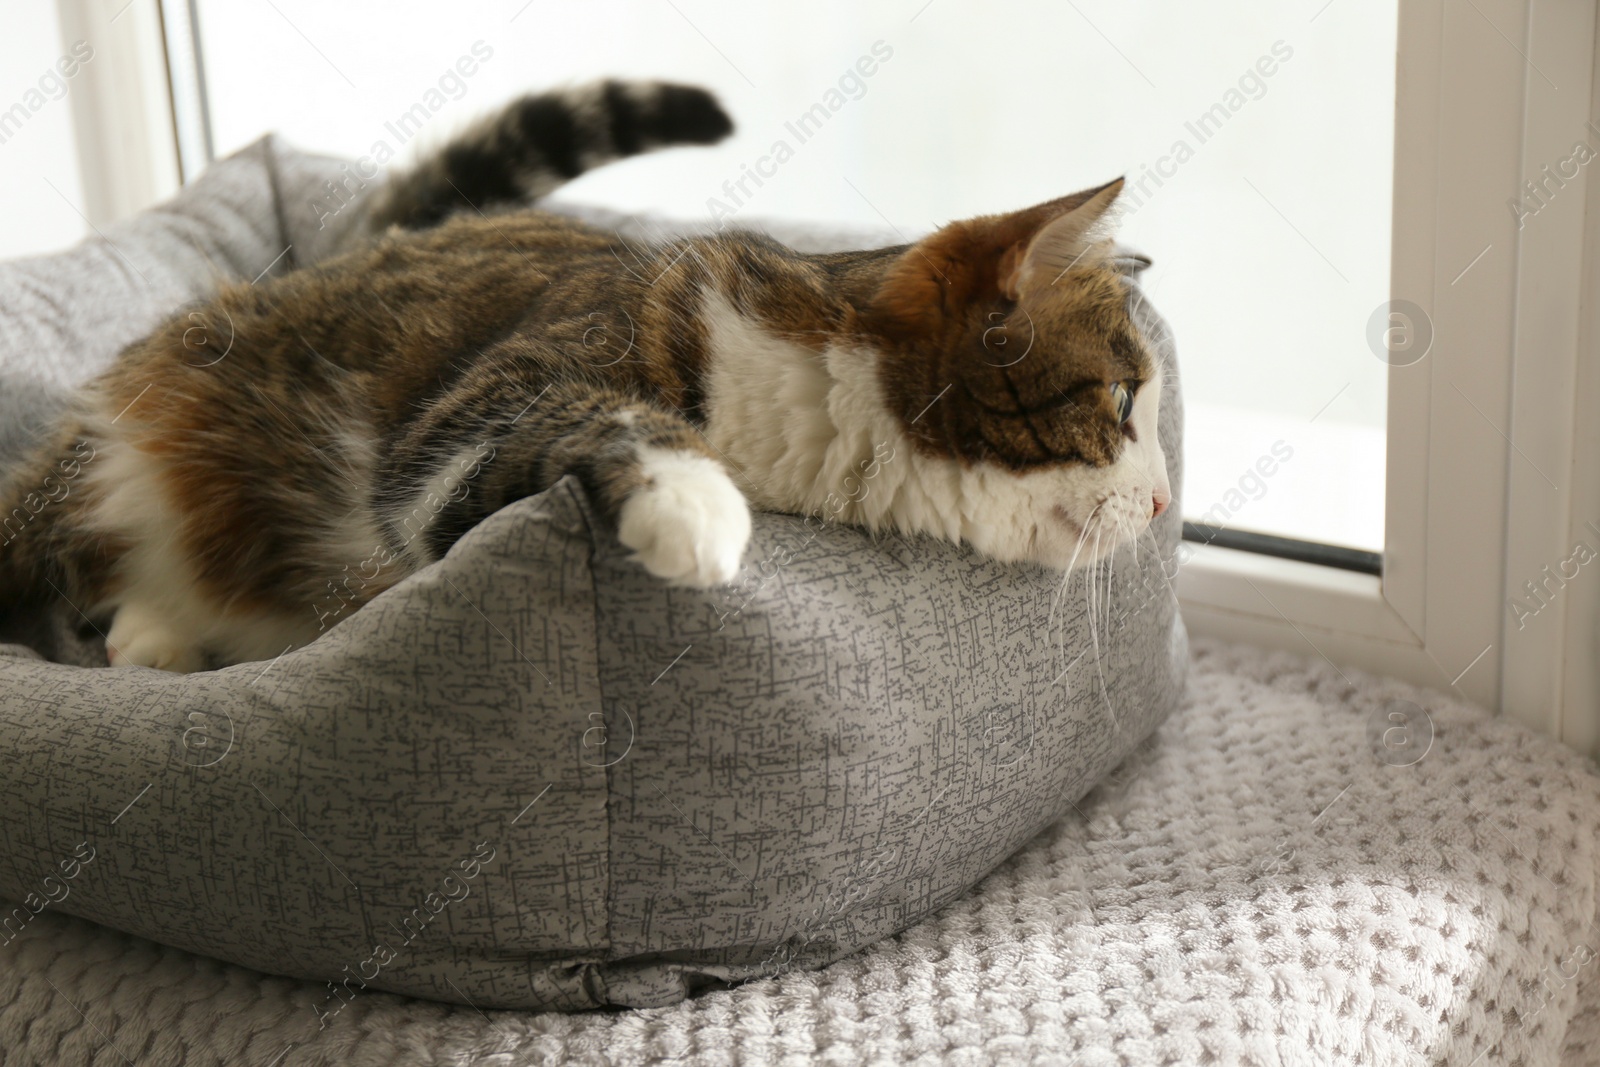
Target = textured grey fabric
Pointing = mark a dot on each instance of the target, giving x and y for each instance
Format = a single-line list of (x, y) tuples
[(1253, 886), (531, 776)]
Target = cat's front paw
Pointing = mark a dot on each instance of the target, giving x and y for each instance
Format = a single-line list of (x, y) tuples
[(689, 524)]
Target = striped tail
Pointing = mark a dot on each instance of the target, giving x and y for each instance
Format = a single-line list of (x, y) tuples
[(541, 141)]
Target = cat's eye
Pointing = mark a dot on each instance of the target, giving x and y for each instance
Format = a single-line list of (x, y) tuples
[(1122, 397)]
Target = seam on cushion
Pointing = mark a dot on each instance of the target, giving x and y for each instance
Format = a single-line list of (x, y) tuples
[(580, 499), (273, 182)]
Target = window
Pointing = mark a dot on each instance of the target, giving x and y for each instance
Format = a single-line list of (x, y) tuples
[(36, 136)]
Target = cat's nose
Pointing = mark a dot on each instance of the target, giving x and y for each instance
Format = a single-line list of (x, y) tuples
[(1158, 504)]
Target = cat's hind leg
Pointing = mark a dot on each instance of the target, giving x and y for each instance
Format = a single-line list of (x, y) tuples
[(143, 636), (167, 611)]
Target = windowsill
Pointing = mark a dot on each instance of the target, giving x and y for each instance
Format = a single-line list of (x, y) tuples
[(1306, 595)]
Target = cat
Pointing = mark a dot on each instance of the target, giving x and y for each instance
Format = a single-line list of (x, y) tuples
[(340, 427)]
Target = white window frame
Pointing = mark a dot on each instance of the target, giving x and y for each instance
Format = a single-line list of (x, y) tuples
[(121, 108), (1515, 357), (1470, 515)]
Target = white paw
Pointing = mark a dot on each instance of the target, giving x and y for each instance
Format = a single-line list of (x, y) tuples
[(140, 638), (690, 524)]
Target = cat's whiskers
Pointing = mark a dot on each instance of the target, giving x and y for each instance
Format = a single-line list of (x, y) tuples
[(1166, 579), (1091, 602), (1066, 575), (1132, 537), (1094, 632)]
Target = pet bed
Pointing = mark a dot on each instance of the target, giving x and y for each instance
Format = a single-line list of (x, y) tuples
[(531, 776)]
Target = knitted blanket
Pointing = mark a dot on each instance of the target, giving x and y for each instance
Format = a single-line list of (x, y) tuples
[(1302, 866)]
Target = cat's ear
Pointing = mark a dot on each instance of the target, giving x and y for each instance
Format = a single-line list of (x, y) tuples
[(1073, 239), (985, 259)]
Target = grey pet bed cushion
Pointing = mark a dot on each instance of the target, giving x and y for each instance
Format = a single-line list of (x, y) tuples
[(531, 776)]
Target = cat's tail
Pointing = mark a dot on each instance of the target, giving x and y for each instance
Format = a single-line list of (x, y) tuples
[(540, 141)]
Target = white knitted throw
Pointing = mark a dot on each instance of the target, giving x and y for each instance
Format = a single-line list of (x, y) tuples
[(1261, 883)]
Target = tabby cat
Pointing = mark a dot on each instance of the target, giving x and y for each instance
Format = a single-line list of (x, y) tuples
[(254, 470)]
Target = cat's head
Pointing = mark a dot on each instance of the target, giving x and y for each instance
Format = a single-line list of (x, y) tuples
[(1009, 350)]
